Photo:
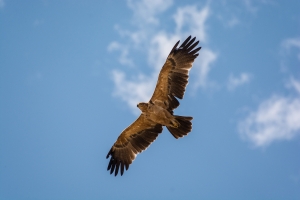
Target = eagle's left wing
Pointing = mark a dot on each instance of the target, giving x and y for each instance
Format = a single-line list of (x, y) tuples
[(174, 75), (133, 140)]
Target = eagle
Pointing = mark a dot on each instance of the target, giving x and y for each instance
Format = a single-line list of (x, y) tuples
[(158, 112)]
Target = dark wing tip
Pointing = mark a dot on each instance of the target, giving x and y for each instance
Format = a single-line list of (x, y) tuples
[(122, 156), (110, 153), (122, 168), (182, 60), (117, 168), (115, 165), (109, 166), (185, 41), (189, 44), (175, 46)]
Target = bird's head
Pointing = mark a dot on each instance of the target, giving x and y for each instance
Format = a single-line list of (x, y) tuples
[(142, 106)]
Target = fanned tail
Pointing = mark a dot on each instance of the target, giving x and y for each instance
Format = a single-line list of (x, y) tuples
[(184, 128)]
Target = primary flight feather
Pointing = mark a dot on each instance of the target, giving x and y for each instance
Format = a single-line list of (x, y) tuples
[(158, 112)]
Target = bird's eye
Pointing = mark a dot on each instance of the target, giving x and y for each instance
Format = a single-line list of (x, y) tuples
[(137, 105)]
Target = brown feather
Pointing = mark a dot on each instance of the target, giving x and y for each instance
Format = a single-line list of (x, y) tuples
[(133, 140), (173, 77), (189, 44), (184, 128), (171, 84), (185, 42)]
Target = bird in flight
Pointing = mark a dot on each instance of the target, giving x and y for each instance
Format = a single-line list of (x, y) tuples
[(158, 112)]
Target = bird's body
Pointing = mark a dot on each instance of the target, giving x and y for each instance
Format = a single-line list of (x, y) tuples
[(158, 112)]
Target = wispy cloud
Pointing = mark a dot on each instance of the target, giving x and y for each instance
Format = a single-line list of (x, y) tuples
[(160, 46), (234, 82), (203, 65), (133, 91), (193, 19), (294, 84), (249, 6), (254, 5), (123, 59), (146, 11), (290, 43), (189, 20), (38, 22), (238, 13), (233, 22), (289, 48), (2, 3), (276, 118)]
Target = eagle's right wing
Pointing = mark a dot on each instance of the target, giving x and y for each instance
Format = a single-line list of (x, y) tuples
[(133, 140)]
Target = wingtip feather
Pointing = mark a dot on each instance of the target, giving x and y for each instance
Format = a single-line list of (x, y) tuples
[(175, 46), (185, 41)]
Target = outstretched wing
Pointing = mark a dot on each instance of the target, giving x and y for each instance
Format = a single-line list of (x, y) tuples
[(133, 140), (174, 75)]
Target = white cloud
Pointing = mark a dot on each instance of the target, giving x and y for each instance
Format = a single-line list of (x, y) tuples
[(249, 6), (160, 47), (123, 59), (254, 5), (234, 82), (228, 17), (277, 118), (145, 11), (203, 65), (189, 20), (133, 91), (233, 22), (2, 3), (289, 48), (294, 84), (192, 20), (290, 43)]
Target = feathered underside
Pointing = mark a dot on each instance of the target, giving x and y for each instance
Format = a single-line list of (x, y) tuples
[(171, 84), (132, 141), (173, 77)]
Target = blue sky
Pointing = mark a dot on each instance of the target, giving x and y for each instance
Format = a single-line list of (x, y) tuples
[(71, 74)]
